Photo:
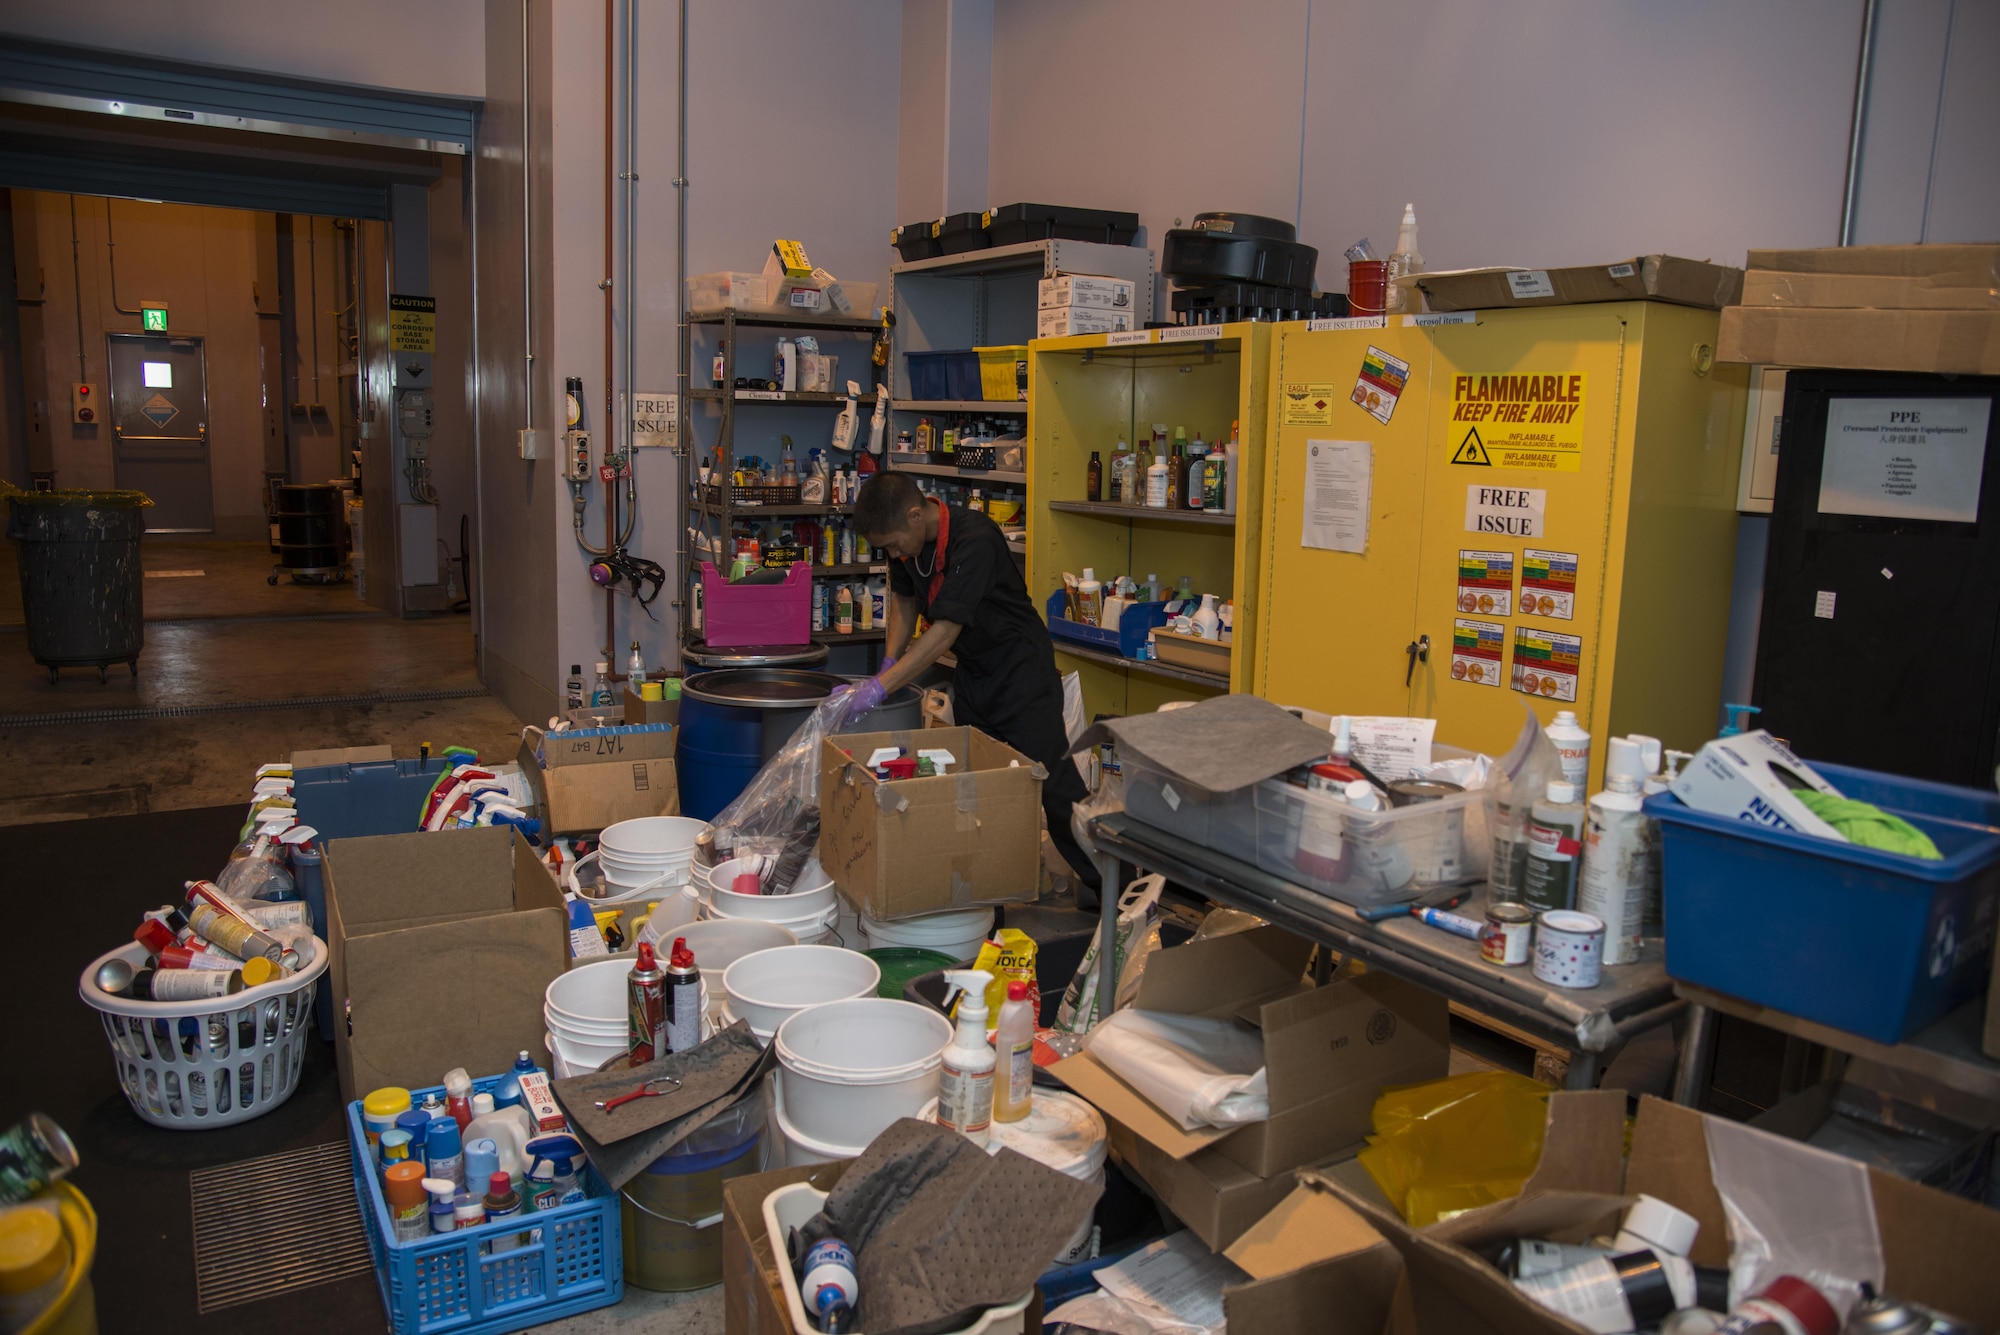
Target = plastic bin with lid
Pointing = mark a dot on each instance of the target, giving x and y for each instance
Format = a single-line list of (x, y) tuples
[(1225, 822), (1003, 373), (1317, 840), (727, 290)]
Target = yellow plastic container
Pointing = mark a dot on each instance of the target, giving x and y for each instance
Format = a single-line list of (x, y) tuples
[(74, 1312), (1003, 373)]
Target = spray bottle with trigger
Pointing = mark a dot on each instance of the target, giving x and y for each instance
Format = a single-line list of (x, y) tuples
[(965, 1088)]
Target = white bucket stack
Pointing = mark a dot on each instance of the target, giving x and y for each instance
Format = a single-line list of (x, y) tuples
[(957, 932), (771, 986), (586, 1013), (808, 912), (653, 852), (849, 1069)]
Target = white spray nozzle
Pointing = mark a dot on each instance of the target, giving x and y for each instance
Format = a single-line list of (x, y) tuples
[(973, 983), (442, 1188), (1675, 759), (1343, 736)]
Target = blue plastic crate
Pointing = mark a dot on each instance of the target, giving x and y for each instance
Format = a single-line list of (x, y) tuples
[(1874, 943), (1135, 624), (355, 800), (929, 379), (453, 1282)]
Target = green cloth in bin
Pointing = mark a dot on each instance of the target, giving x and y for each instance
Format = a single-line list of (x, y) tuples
[(1869, 826)]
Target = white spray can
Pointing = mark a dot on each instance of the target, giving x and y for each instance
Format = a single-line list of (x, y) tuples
[(1573, 745), (1618, 853)]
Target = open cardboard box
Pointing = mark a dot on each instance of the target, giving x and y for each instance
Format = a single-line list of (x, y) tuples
[(1932, 1135), (961, 840), (1328, 1053), (1937, 1249), (1317, 1267), (594, 777), (442, 945), (753, 1299)]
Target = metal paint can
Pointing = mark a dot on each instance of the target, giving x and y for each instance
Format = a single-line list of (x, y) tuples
[(1569, 948), (1509, 936), (34, 1153), (1439, 853)]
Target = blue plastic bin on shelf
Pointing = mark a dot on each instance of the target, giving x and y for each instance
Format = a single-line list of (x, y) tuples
[(1135, 624), (355, 800), (456, 1281), (928, 379), (1874, 943)]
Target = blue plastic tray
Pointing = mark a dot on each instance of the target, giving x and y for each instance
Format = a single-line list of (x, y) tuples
[(1874, 943), (1135, 624), (452, 1282)]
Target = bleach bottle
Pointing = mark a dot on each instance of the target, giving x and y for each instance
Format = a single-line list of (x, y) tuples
[(965, 1086)]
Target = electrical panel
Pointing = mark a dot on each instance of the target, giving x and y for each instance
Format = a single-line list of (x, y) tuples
[(576, 456), (83, 404), (413, 416)]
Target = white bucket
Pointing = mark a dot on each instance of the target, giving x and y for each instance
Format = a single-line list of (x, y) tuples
[(575, 1058), (1062, 1132), (720, 942), (651, 836), (770, 986), (808, 898), (848, 1069), (957, 932), (800, 1148), (811, 929), (592, 1001)]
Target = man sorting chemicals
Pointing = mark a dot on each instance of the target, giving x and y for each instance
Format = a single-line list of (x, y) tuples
[(952, 567)]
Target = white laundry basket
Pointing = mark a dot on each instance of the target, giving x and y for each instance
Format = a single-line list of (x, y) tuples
[(191, 1065)]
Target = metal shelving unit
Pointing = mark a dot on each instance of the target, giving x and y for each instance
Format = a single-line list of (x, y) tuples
[(1143, 513), (992, 407), (1146, 667)]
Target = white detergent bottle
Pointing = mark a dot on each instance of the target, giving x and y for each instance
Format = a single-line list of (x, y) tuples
[(510, 1129), (1090, 597), (1573, 745), (1617, 853), (965, 1085), (1207, 623)]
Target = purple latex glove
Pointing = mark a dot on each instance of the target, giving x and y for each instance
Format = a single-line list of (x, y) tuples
[(857, 699), (888, 661)]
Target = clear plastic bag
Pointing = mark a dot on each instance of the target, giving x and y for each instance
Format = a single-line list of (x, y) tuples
[(256, 871), (1136, 936), (778, 814), (1513, 782)]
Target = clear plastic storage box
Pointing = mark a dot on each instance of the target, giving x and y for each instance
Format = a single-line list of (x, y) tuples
[(1359, 857), (1225, 822)]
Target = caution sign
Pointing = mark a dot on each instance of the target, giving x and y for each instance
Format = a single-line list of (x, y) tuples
[(1546, 663), (412, 323), (159, 410), (1309, 404), (1519, 421)]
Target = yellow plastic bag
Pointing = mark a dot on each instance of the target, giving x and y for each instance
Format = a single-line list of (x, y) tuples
[(1456, 1144), (1010, 959)]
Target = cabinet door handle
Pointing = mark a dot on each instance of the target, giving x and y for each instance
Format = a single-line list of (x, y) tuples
[(1419, 651)]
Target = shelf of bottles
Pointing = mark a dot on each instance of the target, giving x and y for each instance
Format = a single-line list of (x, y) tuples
[(972, 459)]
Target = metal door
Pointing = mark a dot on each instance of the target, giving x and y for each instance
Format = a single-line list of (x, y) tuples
[(159, 428)]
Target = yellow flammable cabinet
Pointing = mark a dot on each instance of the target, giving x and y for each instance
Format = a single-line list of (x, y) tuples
[(1503, 507)]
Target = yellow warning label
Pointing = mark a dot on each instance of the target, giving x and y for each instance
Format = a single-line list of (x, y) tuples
[(1310, 404), (1518, 421), (412, 323)]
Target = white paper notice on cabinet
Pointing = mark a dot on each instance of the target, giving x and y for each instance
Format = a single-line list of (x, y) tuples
[(1904, 458), (1339, 476)]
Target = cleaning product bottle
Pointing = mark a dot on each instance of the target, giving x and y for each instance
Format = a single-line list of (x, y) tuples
[(573, 688), (1232, 455), (1176, 474), (865, 610), (1651, 754), (1196, 490), (444, 1153), (965, 1085), (1125, 478), (1156, 483), (1733, 719), (635, 667), (458, 1096), (507, 1094), (1403, 262), (600, 690), (1573, 745), (552, 1177), (878, 426), (1207, 623), (1089, 597), (1149, 592), (1508, 858), (1617, 853), (1555, 830), (1093, 485), (1014, 1049), (443, 1220), (843, 611), (510, 1129)]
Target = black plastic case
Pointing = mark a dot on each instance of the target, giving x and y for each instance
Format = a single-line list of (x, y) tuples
[(1194, 258), (913, 241), (959, 232), (1015, 223)]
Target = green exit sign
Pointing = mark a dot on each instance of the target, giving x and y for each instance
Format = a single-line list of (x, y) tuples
[(155, 318)]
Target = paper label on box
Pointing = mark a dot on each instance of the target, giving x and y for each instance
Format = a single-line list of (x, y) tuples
[(1125, 337), (1346, 322), (1170, 797), (1621, 271), (1546, 663), (1519, 421), (1905, 458), (1486, 582), (1380, 384), (1441, 317), (1823, 604), (1476, 648), (1548, 584), (1309, 403), (1526, 283), (1516, 512)]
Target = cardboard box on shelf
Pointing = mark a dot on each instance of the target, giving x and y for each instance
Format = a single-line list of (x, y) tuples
[(405, 910), (1936, 1249), (1939, 342), (964, 839), (1063, 321), (1084, 290), (1328, 1051), (589, 778), (1967, 265), (1773, 287), (1666, 278)]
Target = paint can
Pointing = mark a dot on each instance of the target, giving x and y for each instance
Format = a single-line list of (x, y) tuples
[(1509, 936), (1331, 778), (34, 1153), (1569, 948), (1440, 854)]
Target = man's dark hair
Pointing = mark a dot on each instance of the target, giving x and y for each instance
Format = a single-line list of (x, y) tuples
[(884, 504)]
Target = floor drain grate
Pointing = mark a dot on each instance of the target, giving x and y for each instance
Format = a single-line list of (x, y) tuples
[(268, 1226), (138, 714)]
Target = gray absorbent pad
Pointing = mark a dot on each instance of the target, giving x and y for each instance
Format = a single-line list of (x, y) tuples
[(942, 1230), (1221, 744), (622, 1142)]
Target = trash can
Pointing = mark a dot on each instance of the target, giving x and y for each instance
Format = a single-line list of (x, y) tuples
[(82, 590)]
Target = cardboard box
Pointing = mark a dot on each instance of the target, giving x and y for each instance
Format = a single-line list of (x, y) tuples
[(1937, 1249), (1966, 266), (1735, 777), (1063, 321), (1948, 1146), (960, 840), (1084, 290), (1773, 287), (640, 712), (1328, 1051), (586, 779), (1646, 278), (1940, 342), (753, 1300), (442, 945), (1215, 1198), (1318, 1268)]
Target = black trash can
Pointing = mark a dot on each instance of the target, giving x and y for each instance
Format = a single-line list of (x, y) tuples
[(82, 589)]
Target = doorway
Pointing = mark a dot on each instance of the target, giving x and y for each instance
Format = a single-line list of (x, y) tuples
[(159, 428)]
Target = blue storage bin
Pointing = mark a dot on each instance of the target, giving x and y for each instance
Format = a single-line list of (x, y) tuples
[(928, 379), (355, 800), (454, 1282), (1874, 943), (1135, 624), (961, 376)]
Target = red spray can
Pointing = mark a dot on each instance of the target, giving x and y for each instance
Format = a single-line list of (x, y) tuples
[(646, 1008)]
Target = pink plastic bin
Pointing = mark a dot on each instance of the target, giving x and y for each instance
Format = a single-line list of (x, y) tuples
[(738, 615)]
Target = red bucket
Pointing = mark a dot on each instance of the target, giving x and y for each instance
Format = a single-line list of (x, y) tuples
[(1367, 287)]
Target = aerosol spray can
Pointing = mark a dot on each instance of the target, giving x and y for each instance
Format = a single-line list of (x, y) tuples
[(646, 1008), (683, 1019)]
